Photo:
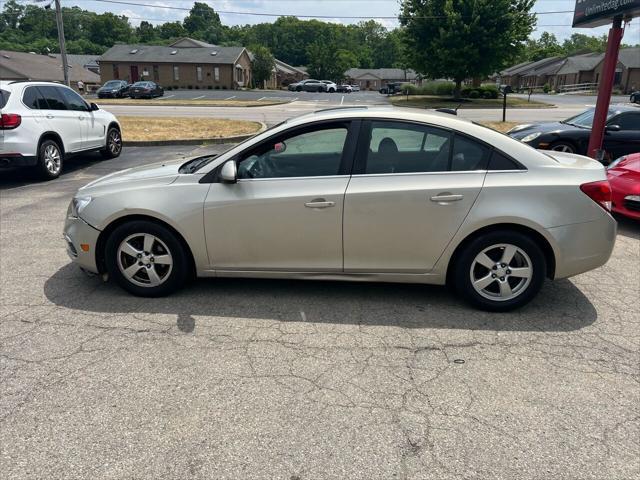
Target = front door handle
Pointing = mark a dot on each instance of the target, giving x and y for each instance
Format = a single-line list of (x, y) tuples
[(49, 116), (443, 198), (319, 203)]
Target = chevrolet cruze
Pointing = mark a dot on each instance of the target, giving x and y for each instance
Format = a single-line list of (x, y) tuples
[(358, 194)]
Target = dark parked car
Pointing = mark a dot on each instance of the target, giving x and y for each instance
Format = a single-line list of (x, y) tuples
[(114, 89), (622, 134), (308, 86), (391, 88), (145, 89), (635, 97)]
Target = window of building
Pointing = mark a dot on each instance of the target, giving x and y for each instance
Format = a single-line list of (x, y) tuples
[(176, 72), (216, 74), (116, 72), (199, 73), (156, 73)]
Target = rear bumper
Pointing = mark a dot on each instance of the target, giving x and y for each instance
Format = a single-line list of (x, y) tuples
[(17, 160), (583, 246), (81, 240)]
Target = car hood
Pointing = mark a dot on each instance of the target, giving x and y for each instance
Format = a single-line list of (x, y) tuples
[(154, 174), (522, 131)]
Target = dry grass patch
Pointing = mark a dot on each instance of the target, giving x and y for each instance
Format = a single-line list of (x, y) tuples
[(503, 127), (175, 102), (136, 129)]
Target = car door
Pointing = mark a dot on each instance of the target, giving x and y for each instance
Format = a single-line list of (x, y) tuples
[(626, 140), (412, 187), (92, 122), (285, 211), (69, 124)]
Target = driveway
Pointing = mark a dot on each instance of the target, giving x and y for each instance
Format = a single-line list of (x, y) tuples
[(303, 380)]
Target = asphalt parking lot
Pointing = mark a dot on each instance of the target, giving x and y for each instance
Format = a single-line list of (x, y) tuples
[(303, 380)]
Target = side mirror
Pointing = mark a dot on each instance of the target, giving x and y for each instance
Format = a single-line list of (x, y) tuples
[(612, 128), (229, 172), (93, 107)]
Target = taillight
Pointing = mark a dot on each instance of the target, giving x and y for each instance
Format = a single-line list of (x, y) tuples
[(599, 192), (9, 121)]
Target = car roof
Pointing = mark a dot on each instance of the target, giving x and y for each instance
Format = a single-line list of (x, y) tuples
[(7, 84)]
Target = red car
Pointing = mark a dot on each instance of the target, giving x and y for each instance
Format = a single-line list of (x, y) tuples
[(624, 178)]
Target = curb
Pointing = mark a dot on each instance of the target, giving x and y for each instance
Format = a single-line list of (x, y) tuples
[(266, 104), (194, 141)]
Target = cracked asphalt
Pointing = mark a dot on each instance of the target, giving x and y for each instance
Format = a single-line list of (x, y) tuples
[(302, 380)]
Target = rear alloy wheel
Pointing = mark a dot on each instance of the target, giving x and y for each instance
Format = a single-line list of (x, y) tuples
[(500, 271), (565, 147), (114, 144), (146, 259), (50, 159)]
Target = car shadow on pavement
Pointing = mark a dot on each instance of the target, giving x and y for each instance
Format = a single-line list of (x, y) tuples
[(560, 306), (628, 227)]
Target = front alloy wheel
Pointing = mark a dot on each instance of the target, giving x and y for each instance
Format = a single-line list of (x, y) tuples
[(114, 144), (146, 258)]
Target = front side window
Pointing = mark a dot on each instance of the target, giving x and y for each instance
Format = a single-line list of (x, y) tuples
[(176, 72), (397, 147), (116, 72), (53, 97), (311, 153), (199, 73), (73, 100), (216, 73), (627, 121)]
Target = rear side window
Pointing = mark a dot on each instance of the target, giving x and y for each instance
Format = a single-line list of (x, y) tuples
[(469, 155), (627, 121), (502, 162), (4, 98), (53, 97), (33, 99)]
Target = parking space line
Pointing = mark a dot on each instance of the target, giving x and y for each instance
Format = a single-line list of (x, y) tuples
[(201, 96), (342, 100), (166, 96), (232, 96), (261, 98)]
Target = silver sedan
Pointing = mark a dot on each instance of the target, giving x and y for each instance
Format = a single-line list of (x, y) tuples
[(357, 194)]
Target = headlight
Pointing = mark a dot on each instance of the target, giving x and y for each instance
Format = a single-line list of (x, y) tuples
[(530, 137), (632, 198), (77, 205)]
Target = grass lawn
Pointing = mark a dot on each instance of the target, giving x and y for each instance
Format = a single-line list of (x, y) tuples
[(136, 129), (503, 127), (176, 102), (429, 101)]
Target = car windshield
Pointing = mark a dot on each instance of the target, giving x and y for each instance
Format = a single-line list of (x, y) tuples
[(585, 119), (112, 83), (141, 84)]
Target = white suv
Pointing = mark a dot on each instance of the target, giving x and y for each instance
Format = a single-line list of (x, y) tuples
[(42, 123)]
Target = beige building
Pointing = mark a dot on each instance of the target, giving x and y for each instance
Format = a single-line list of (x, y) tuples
[(284, 74), (376, 78), (627, 77), (29, 66), (186, 63)]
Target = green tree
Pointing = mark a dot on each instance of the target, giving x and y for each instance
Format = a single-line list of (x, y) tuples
[(203, 23), (546, 46), (579, 43), (11, 14), (146, 32), (171, 30), (462, 39), (262, 66), (107, 29)]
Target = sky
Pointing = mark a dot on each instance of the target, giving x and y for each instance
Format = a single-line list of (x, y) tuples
[(556, 23)]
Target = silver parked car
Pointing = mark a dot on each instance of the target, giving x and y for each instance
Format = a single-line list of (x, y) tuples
[(381, 195)]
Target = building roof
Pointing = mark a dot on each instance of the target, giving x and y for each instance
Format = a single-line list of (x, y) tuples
[(162, 54), (630, 57), (186, 42), (547, 68), (580, 63), (288, 69), (528, 69), (510, 71), (43, 67), (381, 73), (84, 60)]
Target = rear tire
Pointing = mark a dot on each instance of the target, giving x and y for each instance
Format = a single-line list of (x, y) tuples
[(566, 147), (113, 147), (50, 160), (500, 271), (146, 259)]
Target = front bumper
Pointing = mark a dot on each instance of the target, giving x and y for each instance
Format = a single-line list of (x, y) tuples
[(583, 246), (81, 240)]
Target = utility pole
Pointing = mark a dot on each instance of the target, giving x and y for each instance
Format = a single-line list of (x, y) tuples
[(63, 50)]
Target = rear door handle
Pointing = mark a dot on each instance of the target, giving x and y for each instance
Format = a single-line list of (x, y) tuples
[(447, 198), (49, 116), (319, 203)]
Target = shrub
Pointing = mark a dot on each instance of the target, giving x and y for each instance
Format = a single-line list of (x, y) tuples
[(197, 87), (474, 94), (444, 88), (413, 89), (217, 87), (208, 87), (546, 88), (491, 89), (190, 87), (224, 87), (487, 94), (169, 88)]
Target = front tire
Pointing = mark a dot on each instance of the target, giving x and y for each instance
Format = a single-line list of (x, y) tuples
[(113, 147), (50, 160), (500, 271), (146, 259)]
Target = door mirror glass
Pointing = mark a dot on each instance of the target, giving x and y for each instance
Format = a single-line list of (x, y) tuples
[(94, 107), (229, 172), (613, 128)]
